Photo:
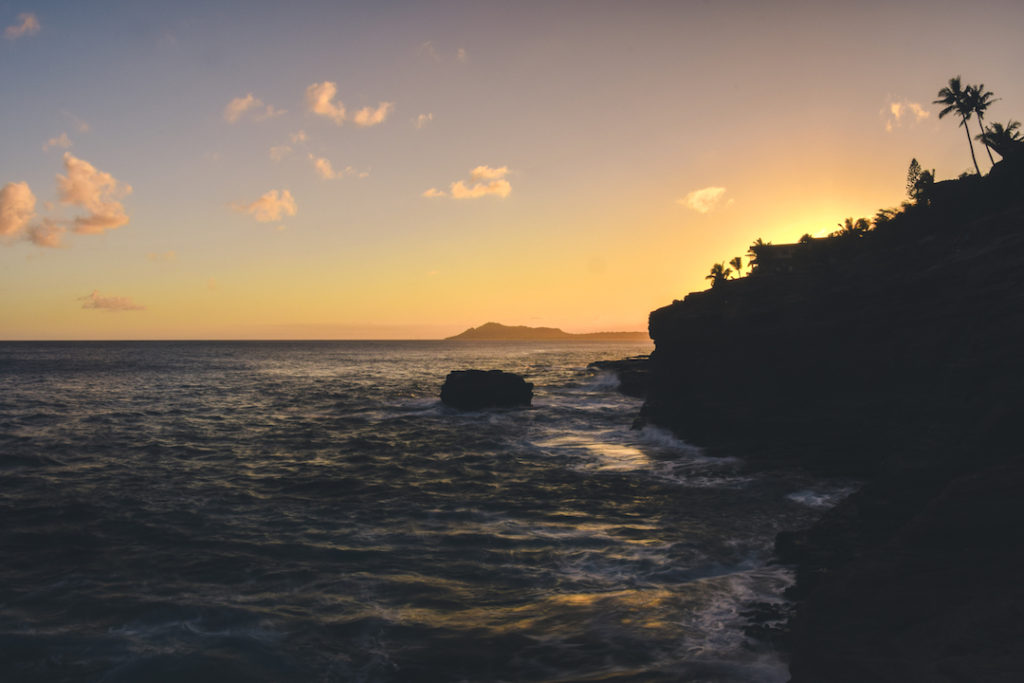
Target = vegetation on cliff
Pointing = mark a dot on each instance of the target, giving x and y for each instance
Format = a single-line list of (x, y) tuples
[(888, 350)]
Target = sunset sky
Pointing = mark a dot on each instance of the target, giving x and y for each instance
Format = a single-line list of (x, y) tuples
[(225, 170)]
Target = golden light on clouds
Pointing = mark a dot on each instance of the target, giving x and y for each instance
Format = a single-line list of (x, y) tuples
[(704, 200), (112, 304), (484, 181), (28, 24), (97, 191), (271, 206)]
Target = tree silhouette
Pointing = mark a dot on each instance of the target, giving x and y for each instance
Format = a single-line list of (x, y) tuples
[(852, 228), (719, 274), (955, 99), (1003, 139), (980, 99), (755, 249), (737, 263)]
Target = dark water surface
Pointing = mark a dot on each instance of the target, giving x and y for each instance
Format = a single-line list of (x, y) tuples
[(309, 511)]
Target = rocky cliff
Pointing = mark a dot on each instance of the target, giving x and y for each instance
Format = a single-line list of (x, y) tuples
[(893, 356)]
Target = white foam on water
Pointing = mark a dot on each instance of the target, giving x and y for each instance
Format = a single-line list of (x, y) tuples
[(821, 498)]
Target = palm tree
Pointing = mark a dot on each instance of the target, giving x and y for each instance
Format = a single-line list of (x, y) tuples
[(955, 99), (719, 274), (980, 100), (1003, 139), (737, 263), (754, 250), (852, 228)]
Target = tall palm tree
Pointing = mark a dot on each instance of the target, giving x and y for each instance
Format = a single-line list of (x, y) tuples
[(737, 263), (1003, 139), (719, 274), (980, 100), (955, 99), (753, 252)]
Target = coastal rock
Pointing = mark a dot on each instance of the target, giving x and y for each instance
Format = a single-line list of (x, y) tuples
[(632, 374), (476, 389)]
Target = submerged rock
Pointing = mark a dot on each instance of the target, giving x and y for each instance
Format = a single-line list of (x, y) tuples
[(476, 389)]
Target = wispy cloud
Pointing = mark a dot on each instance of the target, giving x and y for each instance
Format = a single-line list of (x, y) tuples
[(462, 55), (422, 120), (28, 24), (320, 99), (62, 141), (704, 200), (279, 152), (327, 171), (323, 168), (17, 208), (483, 180), (165, 257), (80, 125), (427, 48), (269, 207), (298, 137), (368, 116), (237, 107), (94, 190), (112, 304), (46, 233), (904, 111)]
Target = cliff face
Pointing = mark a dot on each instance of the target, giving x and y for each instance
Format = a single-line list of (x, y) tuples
[(894, 356)]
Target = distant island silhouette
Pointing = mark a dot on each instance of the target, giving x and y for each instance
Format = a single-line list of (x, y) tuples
[(499, 332)]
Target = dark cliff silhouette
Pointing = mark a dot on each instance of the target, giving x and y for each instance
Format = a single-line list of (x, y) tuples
[(891, 352)]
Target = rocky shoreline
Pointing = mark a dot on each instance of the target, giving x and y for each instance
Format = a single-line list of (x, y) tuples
[(893, 357)]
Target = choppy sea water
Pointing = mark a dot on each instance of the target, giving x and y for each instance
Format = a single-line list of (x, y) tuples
[(309, 511)]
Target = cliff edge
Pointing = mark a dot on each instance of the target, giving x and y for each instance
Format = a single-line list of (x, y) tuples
[(891, 355)]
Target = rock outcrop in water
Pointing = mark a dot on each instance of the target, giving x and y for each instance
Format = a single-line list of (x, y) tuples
[(894, 356), (632, 374), (477, 389)]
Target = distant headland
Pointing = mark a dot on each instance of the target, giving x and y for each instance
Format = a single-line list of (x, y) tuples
[(499, 332)]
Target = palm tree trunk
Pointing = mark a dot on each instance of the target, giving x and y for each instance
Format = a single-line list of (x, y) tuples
[(981, 122), (973, 158)]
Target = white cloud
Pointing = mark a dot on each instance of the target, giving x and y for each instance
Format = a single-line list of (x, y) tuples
[(704, 200), (324, 168), (109, 303), (497, 187), (17, 208), (62, 141), (488, 173), (485, 181), (29, 26), (368, 116), (47, 233), (94, 190), (237, 107), (279, 152), (904, 111), (422, 120), (270, 207), (320, 98), (327, 171), (298, 137)]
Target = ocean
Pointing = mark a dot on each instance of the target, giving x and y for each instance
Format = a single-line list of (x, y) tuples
[(310, 511)]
